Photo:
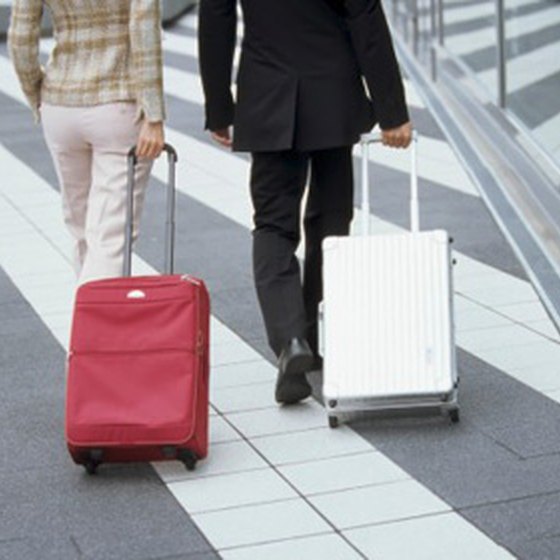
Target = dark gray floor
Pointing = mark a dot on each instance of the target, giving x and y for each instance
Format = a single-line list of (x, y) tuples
[(499, 467), (50, 509)]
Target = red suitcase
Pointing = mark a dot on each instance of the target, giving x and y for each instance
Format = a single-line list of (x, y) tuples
[(138, 366)]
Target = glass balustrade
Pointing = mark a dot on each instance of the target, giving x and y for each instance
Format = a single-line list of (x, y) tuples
[(512, 47)]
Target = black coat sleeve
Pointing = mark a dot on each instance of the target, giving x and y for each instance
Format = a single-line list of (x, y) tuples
[(217, 37), (373, 45)]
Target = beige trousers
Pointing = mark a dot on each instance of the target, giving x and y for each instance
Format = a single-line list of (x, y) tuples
[(89, 146)]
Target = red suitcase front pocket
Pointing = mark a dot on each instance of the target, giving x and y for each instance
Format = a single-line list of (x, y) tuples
[(136, 398), (135, 326)]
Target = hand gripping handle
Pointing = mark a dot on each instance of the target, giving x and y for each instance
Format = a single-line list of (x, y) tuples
[(170, 219), (375, 138)]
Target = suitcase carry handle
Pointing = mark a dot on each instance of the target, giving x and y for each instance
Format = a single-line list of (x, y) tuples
[(170, 220), (375, 138)]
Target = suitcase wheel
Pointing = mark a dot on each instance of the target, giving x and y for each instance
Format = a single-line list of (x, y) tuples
[(189, 459), (91, 467), (333, 422), (454, 415), (94, 459)]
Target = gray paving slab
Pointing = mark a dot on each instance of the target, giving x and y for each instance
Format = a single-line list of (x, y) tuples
[(531, 527), (36, 548), (124, 512), (195, 556), (522, 101), (511, 413), (20, 134)]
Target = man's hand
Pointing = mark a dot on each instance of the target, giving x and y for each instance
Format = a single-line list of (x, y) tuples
[(399, 137), (223, 137)]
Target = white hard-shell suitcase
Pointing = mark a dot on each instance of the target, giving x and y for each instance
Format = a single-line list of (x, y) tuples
[(387, 316)]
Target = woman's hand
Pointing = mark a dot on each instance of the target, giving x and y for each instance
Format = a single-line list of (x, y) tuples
[(399, 137), (151, 140)]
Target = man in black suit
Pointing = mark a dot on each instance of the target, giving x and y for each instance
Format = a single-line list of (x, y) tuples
[(301, 105)]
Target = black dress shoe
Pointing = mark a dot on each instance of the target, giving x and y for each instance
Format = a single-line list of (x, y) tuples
[(296, 359), (318, 363)]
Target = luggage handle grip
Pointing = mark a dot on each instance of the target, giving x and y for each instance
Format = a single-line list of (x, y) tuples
[(168, 148), (170, 219), (377, 138)]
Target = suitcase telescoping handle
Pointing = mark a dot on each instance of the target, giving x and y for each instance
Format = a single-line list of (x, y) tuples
[(374, 138), (170, 219)]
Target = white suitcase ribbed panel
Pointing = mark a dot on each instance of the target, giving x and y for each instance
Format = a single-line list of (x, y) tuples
[(388, 317)]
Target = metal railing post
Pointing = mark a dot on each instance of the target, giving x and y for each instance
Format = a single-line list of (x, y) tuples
[(440, 22), (433, 19), (501, 52), (415, 29)]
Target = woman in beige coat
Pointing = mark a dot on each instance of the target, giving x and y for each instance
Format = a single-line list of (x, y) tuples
[(100, 93)]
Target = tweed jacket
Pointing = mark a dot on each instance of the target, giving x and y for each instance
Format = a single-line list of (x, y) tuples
[(105, 51)]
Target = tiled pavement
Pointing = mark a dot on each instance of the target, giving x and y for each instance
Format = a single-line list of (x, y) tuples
[(278, 482)]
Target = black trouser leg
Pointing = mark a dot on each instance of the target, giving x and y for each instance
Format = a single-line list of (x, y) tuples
[(277, 185), (329, 212)]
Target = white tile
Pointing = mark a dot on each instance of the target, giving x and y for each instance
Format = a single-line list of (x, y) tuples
[(494, 280), (45, 307), (223, 458), (524, 312), (479, 318), (554, 395), (311, 445), (61, 293), (472, 268), (221, 334), (343, 473), (327, 547), (232, 352), (545, 327), (221, 431), (498, 337), (378, 504), (231, 490), (246, 397), (462, 304), (519, 357), (260, 523), (245, 373), (30, 267), (437, 536), (279, 420), (503, 294), (543, 377), (65, 278)]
